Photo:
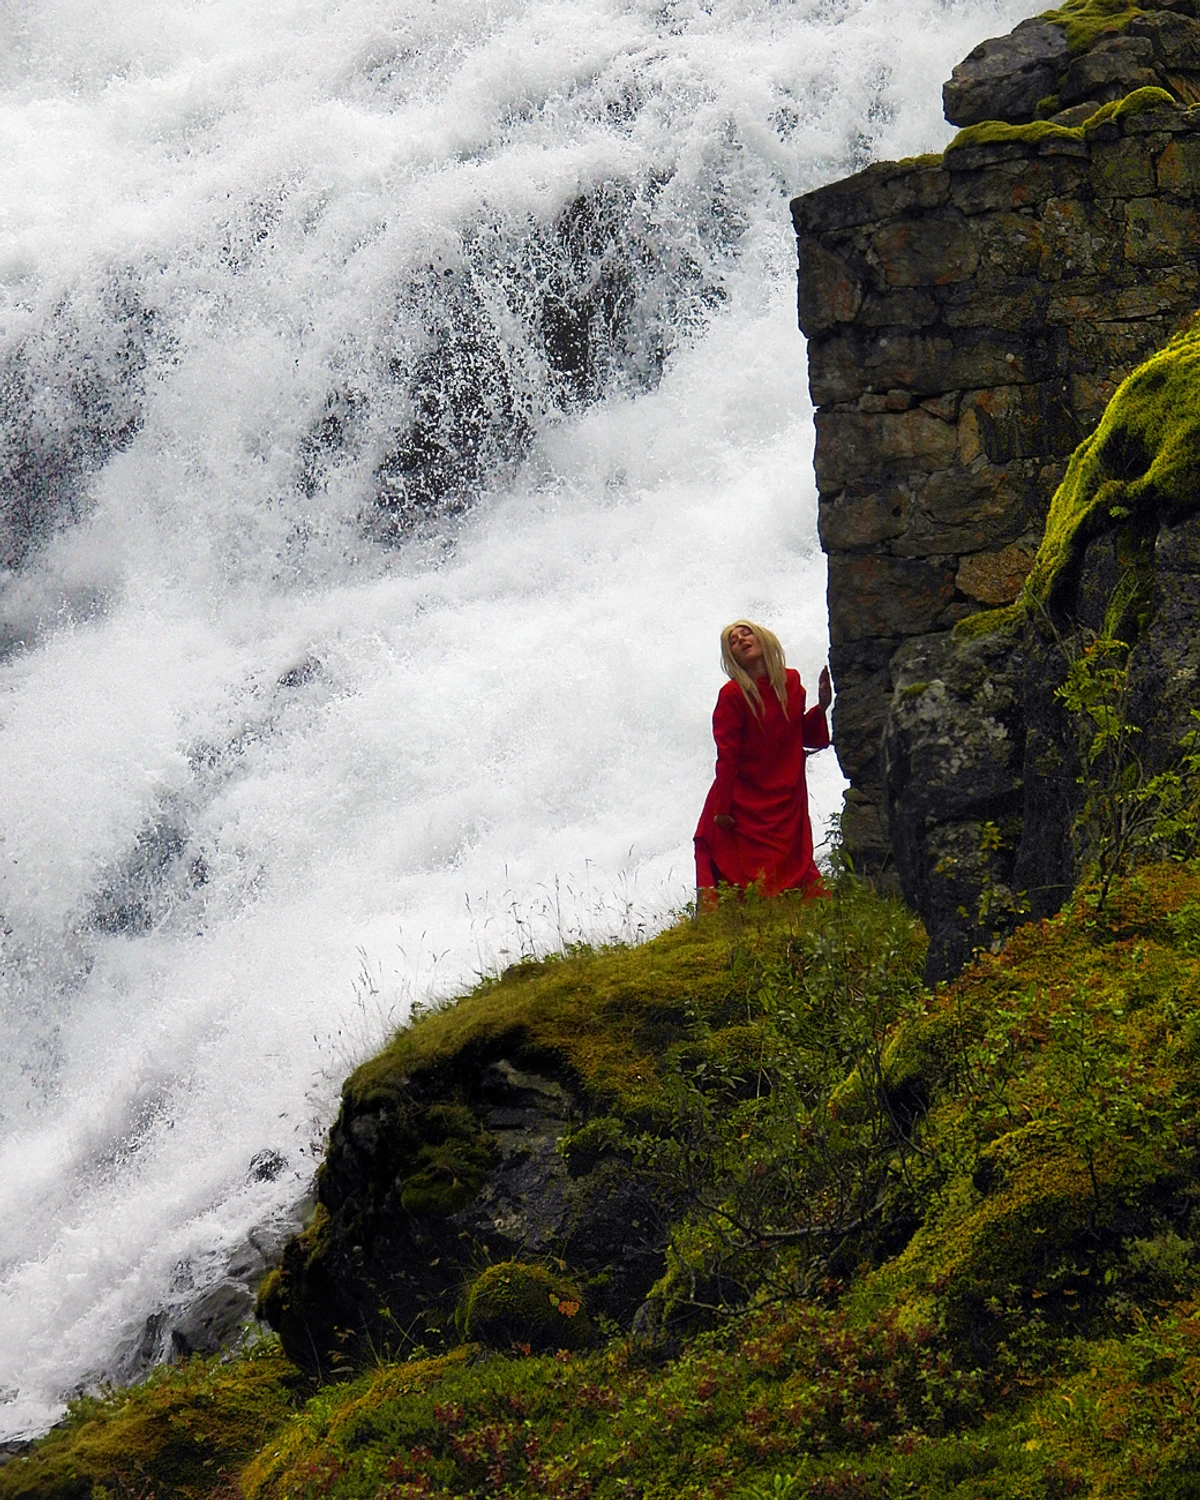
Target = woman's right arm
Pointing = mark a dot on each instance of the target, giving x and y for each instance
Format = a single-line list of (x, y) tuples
[(729, 722)]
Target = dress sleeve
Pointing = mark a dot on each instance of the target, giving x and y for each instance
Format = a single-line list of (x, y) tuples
[(816, 728), (729, 721)]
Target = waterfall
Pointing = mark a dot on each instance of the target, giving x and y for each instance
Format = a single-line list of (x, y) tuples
[(397, 398)]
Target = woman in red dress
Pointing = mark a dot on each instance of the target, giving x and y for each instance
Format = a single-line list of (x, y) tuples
[(755, 826)]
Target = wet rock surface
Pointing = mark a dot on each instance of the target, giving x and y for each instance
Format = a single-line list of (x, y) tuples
[(205, 1315)]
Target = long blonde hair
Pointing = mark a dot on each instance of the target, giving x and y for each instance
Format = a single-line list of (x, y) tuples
[(773, 660)]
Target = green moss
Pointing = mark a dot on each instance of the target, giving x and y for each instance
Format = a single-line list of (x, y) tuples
[(176, 1434), (522, 1305), (1085, 21), (1017, 1320), (451, 1163), (1142, 460), (1137, 103), (1027, 1059), (1000, 132), (605, 1019), (928, 160), (1008, 620), (1143, 457)]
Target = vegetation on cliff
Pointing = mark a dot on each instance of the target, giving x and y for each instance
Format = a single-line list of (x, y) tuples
[(935, 1244), (1001, 132), (1085, 21)]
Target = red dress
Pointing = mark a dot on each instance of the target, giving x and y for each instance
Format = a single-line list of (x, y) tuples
[(760, 783)]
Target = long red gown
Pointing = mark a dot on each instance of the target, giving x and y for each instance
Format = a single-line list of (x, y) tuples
[(760, 782)]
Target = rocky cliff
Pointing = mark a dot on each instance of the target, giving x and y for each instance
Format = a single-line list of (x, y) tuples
[(970, 317)]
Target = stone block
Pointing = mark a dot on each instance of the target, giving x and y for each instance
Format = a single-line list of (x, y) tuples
[(1109, 70), (1011, 243), (1171, 293), (1091, 391), (853, 662), (843, 366), (835, 370), (875, 195), (995, 577), (859, 714), (1174, 40), (872, 595), (864, 832), (1005, 77), (828, 292), (1164, 120), (1016, 308), (1016, 185), (1054, 146), (928, 364), (1178, 167), (1077, 240), (990, 154), (983, 493), (856, 518), (1008, 422), (961, 511), (1115, 345), (909, 308), (855, 445), (925, 252), (926, 537), (1075, 116), (1123, 169), (945, 406)]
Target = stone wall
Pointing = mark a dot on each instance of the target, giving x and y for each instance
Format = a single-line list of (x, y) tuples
[(969, 317)]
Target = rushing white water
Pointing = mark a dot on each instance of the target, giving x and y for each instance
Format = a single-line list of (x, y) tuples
[(397, 398)]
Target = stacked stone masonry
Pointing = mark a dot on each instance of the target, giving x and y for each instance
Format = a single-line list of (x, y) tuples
[(969, 317)]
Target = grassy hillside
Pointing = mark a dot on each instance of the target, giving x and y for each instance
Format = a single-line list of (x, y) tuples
[(928, 1245)]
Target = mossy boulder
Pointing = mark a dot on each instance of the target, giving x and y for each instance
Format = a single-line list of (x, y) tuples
[(497, 1128), (521, 1305)]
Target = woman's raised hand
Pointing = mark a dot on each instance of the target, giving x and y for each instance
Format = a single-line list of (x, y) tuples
[(824, 689)]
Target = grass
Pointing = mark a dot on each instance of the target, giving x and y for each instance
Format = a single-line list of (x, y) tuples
[(1017, 1316)]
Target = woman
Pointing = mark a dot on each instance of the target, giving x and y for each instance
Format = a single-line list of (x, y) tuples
[(755, 824)]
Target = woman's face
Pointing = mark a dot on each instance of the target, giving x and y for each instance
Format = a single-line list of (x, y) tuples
[(745, 648)]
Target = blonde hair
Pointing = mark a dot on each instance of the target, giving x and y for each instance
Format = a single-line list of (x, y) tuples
[(773, 661)]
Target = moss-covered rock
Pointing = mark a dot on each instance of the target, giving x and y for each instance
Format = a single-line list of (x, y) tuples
[(522, 1305), (491, 1129), (1072, 58), (984, 786), (179, 1433)]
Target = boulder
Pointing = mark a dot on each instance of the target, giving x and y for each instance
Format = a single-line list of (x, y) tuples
[(1006, 77)]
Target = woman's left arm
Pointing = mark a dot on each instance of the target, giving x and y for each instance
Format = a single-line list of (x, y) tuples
[(816, 725)]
